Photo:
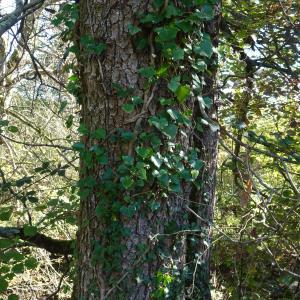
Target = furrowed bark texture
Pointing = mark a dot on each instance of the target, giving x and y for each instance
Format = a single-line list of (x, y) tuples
[(107, 22), (203, 201)]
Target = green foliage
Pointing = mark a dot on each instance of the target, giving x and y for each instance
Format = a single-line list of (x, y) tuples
[(258, 189)]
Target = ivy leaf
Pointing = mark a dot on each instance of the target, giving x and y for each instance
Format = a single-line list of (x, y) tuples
[(156, 159), (78, 146), (204, 48), (13, 297), (23, 181), (166, 101), (200, 2), (162, 177), (128, 160), (99, 134), (177, 54), (151, 18), (157, 3), (128, 108), (172, 11), (142, 173), (3, 285), (184, 25), (205, 14), (148, 72), (127, 182), (174, 84), (69, 121), (127, 135), (82, 129), (207, 102), (30, 230), (144, 152), (133, 29), (18, 268), (62, 107), (159, 123), (182, 93), (167, 33), (31, 263), (199, 65), (6, 213), (173, 114), (170, 131), (155, 141), (5, 243), (137, 100), (4, 123), (12, 129)]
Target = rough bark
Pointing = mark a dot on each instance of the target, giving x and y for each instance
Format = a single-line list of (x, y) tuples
[(134, 278)]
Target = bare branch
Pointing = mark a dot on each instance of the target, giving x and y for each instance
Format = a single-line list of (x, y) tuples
[(63, 247), (21, 10)]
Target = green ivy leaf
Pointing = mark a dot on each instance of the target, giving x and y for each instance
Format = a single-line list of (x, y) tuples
[(182, 93), (151, 18), (154, 206), (166, 34), (142, 173), (99, 134), (136, 100), (174, 84), (30, 230), (177, 54), (3, 285), (170, 131), (204, 48), (205, 14), (12, 255), (18, 268), (148, 72), (199, 65), (82, 129), (6, 213), (166, 101), (4, 123), (127, 182), (156, 159), (12, 129), (172, 11), (5, 243), (69, 121), (155, 141), (159, 123), (23, 181), (128, 108), (31, 263), (158, 3), (162, 177), (78, 146), (128, 160), (184, 25), (207, 102), (145, 153), (13, 297), (133, 29), (62, 107)]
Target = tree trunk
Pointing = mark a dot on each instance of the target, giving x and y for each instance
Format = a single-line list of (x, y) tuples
[(137, 225)]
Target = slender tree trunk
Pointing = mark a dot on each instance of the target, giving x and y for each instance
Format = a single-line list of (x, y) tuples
[(134, 244)]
